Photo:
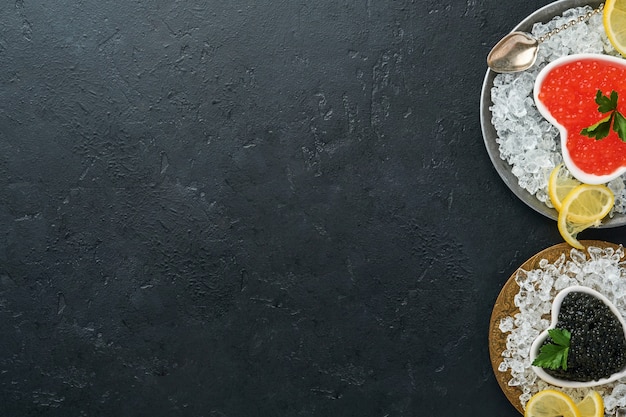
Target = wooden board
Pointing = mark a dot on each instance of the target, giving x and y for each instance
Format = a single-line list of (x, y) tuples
[(504, 306)]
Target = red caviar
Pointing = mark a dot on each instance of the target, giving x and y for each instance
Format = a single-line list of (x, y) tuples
[(568, 92)]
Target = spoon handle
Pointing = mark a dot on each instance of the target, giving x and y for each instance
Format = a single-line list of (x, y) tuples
[(580, 19)]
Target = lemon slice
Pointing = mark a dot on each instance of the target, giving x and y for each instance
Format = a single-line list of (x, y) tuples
[(592, 405), (614, 20), (560, 183), (584, 207), (551, 403)]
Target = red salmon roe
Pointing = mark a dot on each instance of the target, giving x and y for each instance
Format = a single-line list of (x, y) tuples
[(569, 93)]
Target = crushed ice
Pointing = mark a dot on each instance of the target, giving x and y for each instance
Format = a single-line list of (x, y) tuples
[(603, 270), (528, 142)]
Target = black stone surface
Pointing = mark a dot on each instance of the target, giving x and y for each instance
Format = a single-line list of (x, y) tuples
[(252, 208)]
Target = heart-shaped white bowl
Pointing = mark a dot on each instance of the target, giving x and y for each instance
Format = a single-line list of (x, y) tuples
[(536, 345), (576, 172)]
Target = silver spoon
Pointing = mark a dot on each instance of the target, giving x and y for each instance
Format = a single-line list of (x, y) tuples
[(517, 51)]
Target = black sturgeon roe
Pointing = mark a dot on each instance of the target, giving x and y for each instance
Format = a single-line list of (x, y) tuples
[(597, 346)]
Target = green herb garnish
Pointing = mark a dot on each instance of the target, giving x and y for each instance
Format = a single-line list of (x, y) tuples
[(554, 355), (601, 129)]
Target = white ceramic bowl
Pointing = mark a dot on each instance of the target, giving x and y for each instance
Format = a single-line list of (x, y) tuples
[(556, 307), (576, 172)]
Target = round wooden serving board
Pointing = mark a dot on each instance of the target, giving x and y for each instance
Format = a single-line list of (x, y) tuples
[(504, 306)]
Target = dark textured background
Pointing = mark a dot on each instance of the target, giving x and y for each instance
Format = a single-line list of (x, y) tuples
[(252, 208)]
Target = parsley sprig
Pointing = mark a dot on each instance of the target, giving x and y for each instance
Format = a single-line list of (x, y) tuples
[(554, 355), (601, 129)]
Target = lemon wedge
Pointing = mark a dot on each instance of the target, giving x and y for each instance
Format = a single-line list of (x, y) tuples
[(560, 184), (592, 405), (614, 20), (584, 207), (551, 403)]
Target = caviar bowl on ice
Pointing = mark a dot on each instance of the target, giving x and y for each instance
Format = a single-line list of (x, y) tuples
[(596, 352), (567, 93)]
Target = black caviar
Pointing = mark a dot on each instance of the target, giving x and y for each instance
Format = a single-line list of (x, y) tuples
[(597, 346)]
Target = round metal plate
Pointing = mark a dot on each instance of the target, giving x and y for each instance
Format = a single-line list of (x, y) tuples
[(544, 15)]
